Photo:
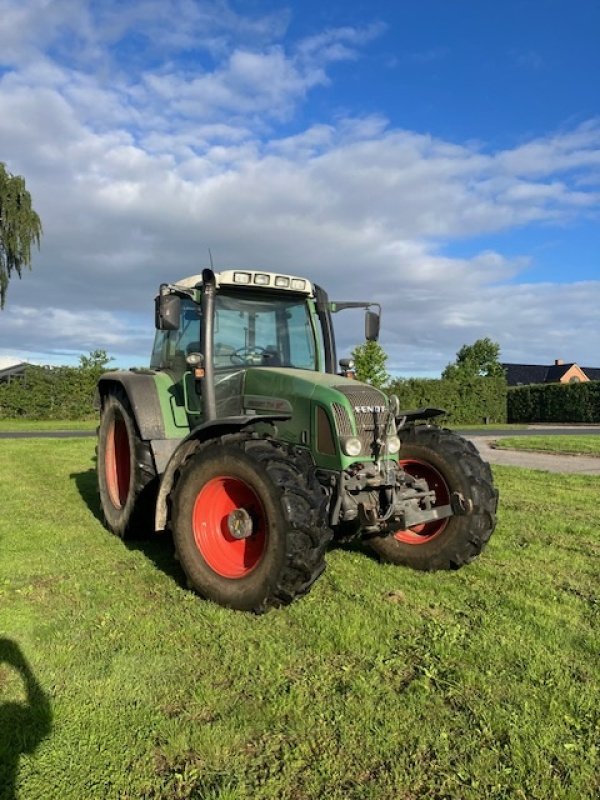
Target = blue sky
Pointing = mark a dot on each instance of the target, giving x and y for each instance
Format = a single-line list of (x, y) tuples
[(440, 156)]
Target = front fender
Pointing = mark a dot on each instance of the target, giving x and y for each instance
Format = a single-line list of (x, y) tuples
[(213, 429)]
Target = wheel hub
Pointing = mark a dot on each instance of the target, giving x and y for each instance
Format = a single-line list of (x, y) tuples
[(239, 524)]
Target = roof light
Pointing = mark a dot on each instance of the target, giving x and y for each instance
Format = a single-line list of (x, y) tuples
[(260, 279), (282, 282), (298, 283), (241, 277)]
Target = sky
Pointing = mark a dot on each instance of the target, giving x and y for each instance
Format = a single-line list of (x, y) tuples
[(440, 157)]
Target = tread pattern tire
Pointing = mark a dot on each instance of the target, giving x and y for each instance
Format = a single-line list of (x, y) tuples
[(127, 500), (463, 471), (282, 479)]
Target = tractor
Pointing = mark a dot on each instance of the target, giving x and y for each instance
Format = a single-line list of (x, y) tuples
[(247, 442)]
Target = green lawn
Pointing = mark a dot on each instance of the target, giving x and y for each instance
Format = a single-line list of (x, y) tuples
[(48, 425), (571, 445), (383, 683)]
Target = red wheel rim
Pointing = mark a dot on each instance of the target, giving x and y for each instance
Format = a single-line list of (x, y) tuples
[(118, 462), (225, 555), (420, 534)]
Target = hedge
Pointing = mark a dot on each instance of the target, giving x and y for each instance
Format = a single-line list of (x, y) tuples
[(470, 401), (50, 393), (68, 392), (555, 402)]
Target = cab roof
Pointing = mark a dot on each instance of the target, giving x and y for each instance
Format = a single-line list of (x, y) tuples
[(259, 279)]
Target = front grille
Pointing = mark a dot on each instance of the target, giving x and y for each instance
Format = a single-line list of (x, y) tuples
[(342, 420), (361, 398)]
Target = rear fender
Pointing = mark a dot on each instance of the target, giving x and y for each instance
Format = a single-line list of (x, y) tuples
[(142, 393)]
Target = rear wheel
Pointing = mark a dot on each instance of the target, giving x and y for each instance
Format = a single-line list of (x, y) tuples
[(451, 466), (248, 522), (126, 475)]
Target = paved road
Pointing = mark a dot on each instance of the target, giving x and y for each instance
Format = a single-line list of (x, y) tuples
[(549, 462), (483, 439)]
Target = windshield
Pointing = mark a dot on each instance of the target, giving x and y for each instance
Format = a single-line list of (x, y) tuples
[(269, 331)]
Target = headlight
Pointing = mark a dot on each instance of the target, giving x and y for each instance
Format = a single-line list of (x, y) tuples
[(351, 446), (393, 444)]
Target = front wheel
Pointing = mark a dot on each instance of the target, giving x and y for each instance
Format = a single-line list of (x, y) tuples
[(248, 523), (451, 466)]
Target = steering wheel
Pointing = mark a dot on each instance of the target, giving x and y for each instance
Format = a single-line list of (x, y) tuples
[(246, 355)]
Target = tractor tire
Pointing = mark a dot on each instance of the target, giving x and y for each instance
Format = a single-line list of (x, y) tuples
[(450, 464), (126, 475), (270, 492)]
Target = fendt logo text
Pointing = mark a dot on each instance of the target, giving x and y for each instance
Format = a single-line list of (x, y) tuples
[(369, 409)]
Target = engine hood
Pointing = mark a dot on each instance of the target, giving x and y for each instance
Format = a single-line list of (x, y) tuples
[(321, 407), (285, 383)]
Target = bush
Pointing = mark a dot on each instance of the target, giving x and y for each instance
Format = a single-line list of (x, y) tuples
[(469, 401), (50, 393), (555, 402)]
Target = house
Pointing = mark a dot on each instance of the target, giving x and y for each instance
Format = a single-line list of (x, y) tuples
[(14, 372), (559, 372)]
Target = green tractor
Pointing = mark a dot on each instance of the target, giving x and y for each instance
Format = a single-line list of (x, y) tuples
[(244, 440)]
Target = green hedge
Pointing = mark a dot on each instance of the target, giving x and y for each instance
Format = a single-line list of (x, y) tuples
[(50, 393), (555, 402), (467, 402), (68, 392)]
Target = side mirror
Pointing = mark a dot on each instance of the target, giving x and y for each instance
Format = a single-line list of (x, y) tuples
[(371, 326), (167, 312)]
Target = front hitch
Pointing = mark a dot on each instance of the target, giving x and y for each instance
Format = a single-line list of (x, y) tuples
[(408, 513)]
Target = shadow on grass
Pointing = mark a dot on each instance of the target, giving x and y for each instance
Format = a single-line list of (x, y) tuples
[(351, 541), (158, 548), (87, 486), (23, 724)]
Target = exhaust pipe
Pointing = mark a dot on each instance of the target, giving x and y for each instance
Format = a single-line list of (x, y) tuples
[(209, 290)]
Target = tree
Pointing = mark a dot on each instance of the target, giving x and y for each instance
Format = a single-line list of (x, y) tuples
[(96, 360), (20, 227), (370, 359), (479, 359)]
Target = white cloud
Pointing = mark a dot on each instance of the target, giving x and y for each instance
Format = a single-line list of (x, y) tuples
[(68, 332), (136, 175), (566, 150), (87, 32), (9, 361)]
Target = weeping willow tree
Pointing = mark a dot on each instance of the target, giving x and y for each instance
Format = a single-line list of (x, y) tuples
[(20, 227)]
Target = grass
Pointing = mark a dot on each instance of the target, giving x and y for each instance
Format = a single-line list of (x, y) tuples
[(10, 425), (383, 683), (568, 445)]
